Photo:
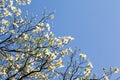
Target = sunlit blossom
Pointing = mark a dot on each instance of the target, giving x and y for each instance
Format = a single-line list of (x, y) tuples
[(41, 24), (15, 25), (48, 26), (14, 9), (5, 22), (60, 44), (26, 36), (105, 77), (18, 12), (3, 30), (12, 31), (51, 16), (116, 70), (87, 71), (51, 68), (83, 56), (69, 73), (28, 1), (59, 62), (37, 30), (6, 12), (90, 65)]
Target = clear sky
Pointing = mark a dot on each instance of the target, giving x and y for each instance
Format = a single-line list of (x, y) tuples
[(95, 25)]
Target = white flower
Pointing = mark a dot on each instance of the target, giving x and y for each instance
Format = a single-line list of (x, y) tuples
[(19, 66), (18, 12), (47, 52), (51, 43), (47, 36), (90, 65), (5, 22), (41, 24), (83, 56), (26, 36), (9, 57), (51, 16), (77, 79), (18, 2), (105, 77), (12, 31), (65, 41), (37, 30), (21, 20), (51, 34), (70, 38), (11, 3), (64, 52), (116, 70), (48, 26), (69, 73), (59, 63), (28, 1), (53, 56), (6, 12), (51, 68), (15, 25), (87, 71), (13, 9), (60, 44), (2, 29)]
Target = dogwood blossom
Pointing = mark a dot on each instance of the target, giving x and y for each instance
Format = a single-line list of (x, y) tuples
[(116, 70), (105, 77), (83, 56), (51, 16), (5, 22), (90, 65), (87, 71)]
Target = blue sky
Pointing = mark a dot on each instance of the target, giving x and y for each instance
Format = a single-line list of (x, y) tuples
[(95, 25)]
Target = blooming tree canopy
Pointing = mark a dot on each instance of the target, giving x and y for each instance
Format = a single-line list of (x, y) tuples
[(30, 50)]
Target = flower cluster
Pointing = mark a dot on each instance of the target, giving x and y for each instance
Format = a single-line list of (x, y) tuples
[(87, 70), (29, 49), (10, 14)]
